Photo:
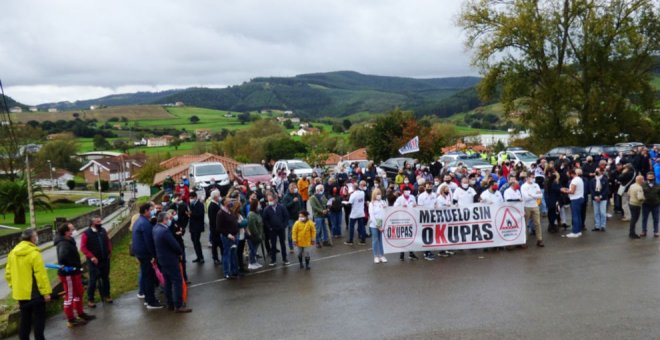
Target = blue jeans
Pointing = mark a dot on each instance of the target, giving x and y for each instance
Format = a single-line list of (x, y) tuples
[(377, 242), (173, 285), (148, 282), (351, 230), (576, 215), (335, 222), (321, 230), (600, 214), (252, 251), (654, 211), (229, 257), (289, 230)]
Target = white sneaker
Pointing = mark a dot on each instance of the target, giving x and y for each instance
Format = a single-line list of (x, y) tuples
[(573, 235), (258, 265), (609, 215), (383, 259), (140, 296), (376, 260), (252, 267)]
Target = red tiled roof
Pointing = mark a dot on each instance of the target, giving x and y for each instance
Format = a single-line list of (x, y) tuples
[(356, 155)]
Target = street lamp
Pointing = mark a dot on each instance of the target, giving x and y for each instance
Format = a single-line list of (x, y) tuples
[(50, 168)]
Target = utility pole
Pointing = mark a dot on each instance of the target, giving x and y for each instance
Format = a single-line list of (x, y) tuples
[(50, 169), (33, 218)]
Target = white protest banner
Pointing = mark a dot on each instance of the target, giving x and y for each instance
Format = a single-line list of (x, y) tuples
[(467, 227), (411, 146)]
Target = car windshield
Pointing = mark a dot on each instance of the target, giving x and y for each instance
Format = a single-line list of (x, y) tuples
[(210, 169), (475, 162), (254, 171), (298, 165), (526, 156)]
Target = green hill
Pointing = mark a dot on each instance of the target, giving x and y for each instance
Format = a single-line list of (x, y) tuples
[(337, 94), (10, 103)]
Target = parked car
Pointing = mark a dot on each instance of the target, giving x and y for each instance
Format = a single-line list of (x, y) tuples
[(82, 200), (597, 151), (298, 167), (470, 163), (520, 155), (94, 202), (628, 147), (451, 156), (362, 163), (392, 165), (569, 151), (253, 173), (202, 173)]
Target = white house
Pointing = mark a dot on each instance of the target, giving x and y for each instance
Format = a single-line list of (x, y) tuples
[(60, 177), (141, 142), (15, 109), (288, 113), (93, 107), (34, 109), (159, 141), (52, 109), (305, 131)]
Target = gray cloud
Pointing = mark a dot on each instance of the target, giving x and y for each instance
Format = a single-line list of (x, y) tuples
[(76, 49)]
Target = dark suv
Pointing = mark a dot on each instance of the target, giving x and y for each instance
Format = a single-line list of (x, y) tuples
[(569, 151), (392, 165), (597, 151)]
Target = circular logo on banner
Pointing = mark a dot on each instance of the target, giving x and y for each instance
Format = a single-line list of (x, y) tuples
[(507, 225), (400, 229)]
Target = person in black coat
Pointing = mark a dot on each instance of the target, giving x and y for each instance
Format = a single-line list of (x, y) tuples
[(96, 246), (214, 207), (169, 254), (227, 227), (70, 274), (553, 198), (178, 232), (196, 225), (275, 218)]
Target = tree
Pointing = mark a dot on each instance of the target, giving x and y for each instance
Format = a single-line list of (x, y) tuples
[(71, 184), (104, 185), (386, 131), (337, 128), (288, 124), (359, 134), (244, 117), (194, 119), (12, 147), (100, 143), (175, 143), (347, 124), (578, 71), (61, 154), (122, 145), (14, 199), (147, 173)]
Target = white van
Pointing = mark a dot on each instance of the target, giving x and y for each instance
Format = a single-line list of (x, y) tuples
[(300, 168), (202, 173)]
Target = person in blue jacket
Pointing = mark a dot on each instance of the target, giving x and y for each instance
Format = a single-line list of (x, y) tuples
[(144, 250), (169, 255)]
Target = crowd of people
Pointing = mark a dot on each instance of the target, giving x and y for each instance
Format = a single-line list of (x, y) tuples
[(290, 215)]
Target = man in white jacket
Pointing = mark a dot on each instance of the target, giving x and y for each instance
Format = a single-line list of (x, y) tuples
[(464, 195), (531, 195)]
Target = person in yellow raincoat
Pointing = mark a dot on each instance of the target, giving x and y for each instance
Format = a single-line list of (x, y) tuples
[(304, 236)]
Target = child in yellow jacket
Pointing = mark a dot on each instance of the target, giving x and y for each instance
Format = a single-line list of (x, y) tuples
[(303, 235)]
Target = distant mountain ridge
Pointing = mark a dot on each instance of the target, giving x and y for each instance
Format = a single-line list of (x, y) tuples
[(312, 95)]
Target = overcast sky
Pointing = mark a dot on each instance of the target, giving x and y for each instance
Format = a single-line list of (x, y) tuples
[(81, 49)]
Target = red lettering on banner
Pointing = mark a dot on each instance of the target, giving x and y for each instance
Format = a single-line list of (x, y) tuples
[(440, 233)]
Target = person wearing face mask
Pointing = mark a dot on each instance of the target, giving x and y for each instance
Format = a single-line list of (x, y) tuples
[(293, 202), (96, 246), (464, 195), (319, 204), (599, 187), (196, 215), (304, 235), (406, 185), (491, 195), (575, 192), (512, 194), (214, 236), (531, 195), (183, 190), (436, 184), (68, 257), (357, 202), (377, 207), (178, 233), (406, 200), (275, 218), (651, 205), (169, 254)]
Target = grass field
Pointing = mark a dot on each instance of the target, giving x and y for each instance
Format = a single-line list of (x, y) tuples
[(214, 120), (67, 210), (134, 112)]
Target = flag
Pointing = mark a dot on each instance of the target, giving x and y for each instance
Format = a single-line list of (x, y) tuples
[(411, 146)]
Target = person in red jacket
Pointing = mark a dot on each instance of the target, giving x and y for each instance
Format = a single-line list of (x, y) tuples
[(183, 191), (96, 246)]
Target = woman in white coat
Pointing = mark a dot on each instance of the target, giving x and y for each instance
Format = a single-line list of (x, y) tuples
[(376, 214)]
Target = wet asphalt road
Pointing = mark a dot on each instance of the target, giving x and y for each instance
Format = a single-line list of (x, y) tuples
[(600, 286)]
